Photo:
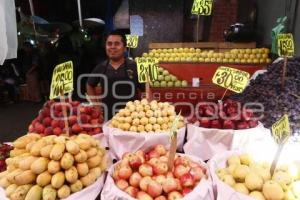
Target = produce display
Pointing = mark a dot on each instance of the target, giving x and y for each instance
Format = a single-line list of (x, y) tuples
[(255, 55), (143, 116), (165, 79), (81, 118), (146, 175), (254, 179), (229, 114), (4, 153), (52, 167), (266, 89)]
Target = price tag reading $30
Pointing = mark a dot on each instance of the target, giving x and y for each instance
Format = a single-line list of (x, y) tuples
[(230, 78)]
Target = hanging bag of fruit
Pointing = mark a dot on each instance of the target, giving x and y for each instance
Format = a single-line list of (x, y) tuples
[(140, 125)]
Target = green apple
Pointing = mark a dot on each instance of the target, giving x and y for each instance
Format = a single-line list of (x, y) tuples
[(170, 84), (201, 59), (144, 54), (189, 59), (177, 84), (173, 78), (160, 77), (184, 83), (167, 78), (177, 59), (160, 70), (163, 84), (195, 59), (166, 72), (156, 84)]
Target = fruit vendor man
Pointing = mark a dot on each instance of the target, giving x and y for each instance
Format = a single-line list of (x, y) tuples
[(117, 77)]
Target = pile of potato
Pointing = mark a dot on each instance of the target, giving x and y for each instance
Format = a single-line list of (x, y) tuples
[(143, 116), (52, 167), (254, 179)]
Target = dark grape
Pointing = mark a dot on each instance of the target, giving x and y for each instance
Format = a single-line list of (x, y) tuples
[(277, 101)]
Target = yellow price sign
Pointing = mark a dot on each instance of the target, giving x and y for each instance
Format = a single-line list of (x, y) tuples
[(202, 7), (230, 78), (281, 129), (132, 41), (147, 67), (285, 44), (62, 79)]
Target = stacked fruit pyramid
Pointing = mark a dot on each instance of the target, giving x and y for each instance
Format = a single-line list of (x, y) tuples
[(254, 179), (165, 79), (144, 116), (81, 118), (52, 167), (146, 175), (250, 56)]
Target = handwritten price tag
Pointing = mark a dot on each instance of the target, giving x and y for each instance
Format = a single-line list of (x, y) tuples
[(230, 78), (62, 79), (132, 41), (285, 43), (147, 67), (281, 129), (202, 7)]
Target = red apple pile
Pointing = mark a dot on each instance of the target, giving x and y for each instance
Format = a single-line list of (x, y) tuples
[(226, 115), (4, 153), (145, 176), (81, 118)]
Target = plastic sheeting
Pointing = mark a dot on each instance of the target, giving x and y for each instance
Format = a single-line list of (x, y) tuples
[(8, 31)]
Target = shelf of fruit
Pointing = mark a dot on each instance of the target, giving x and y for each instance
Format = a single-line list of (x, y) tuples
[(82, 118), (145, 175), (237, 174), (239, 56), (52, 167)]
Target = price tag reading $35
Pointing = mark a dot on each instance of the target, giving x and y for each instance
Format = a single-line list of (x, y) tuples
[(230, 78), (147, 68), (202, 7), (281, 129)]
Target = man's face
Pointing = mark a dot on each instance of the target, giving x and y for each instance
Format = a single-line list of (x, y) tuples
[(115, 48)]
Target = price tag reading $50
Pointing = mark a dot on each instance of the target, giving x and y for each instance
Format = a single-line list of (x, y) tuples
[(285, 43)]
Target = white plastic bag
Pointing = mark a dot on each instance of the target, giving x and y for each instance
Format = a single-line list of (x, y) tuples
[(207, 142), (203, 191), (8, 31), (120, 142), (90, 192), (222, 190)]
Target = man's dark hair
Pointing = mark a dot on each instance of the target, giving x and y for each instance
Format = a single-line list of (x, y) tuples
[(119, 33)]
